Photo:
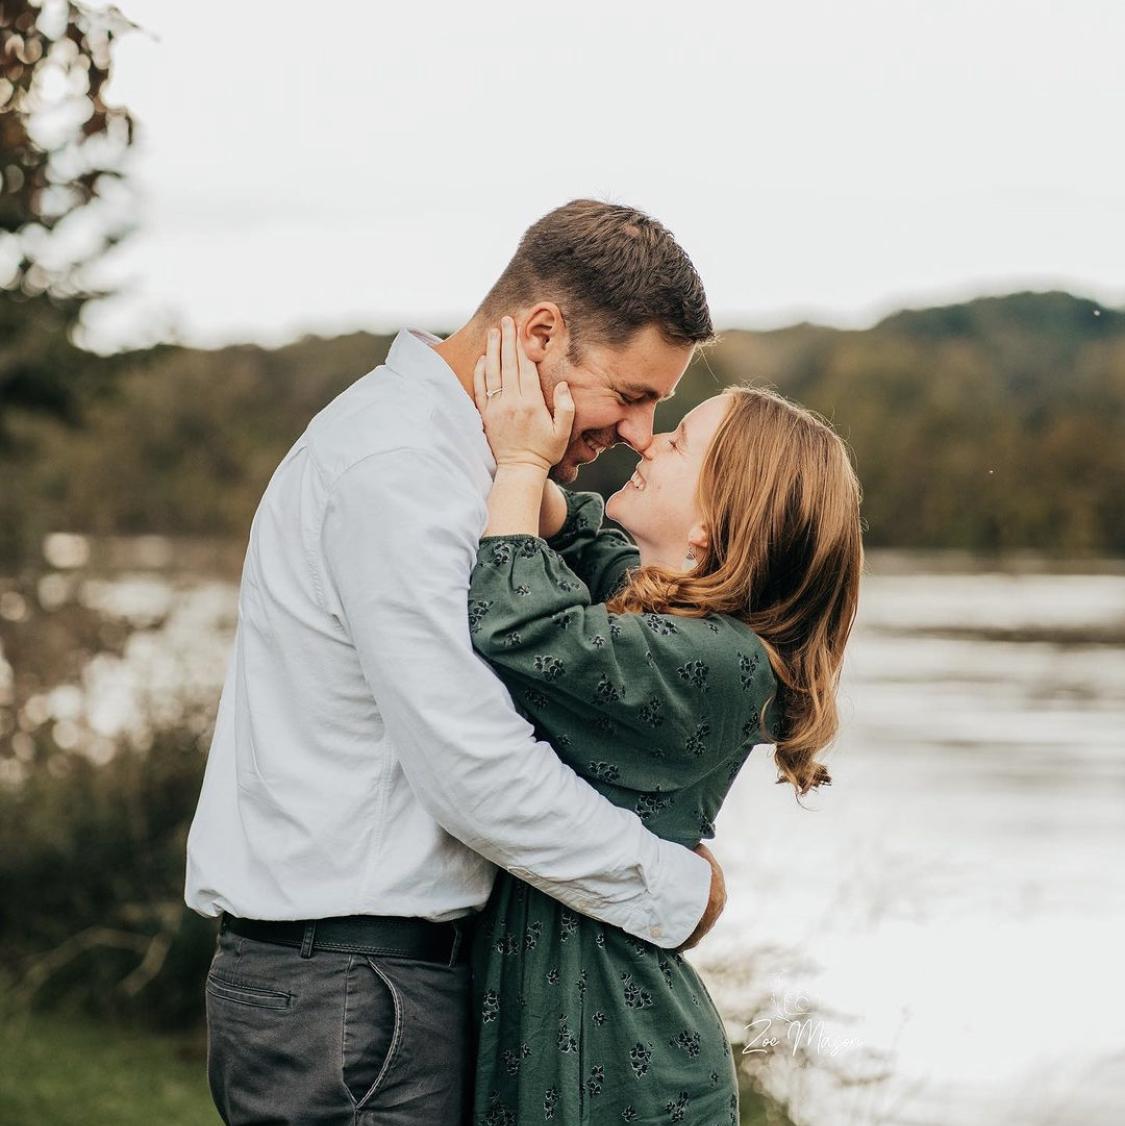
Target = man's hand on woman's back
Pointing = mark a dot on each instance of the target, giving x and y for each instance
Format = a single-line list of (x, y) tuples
[(715, 903)]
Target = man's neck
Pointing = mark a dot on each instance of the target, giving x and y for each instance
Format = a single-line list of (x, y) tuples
[(461, 352)]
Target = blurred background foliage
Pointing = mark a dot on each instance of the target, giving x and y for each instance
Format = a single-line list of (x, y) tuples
[(988, 426), (62, 154)]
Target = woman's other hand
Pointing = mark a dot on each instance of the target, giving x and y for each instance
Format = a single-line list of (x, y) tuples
[(517, 422)]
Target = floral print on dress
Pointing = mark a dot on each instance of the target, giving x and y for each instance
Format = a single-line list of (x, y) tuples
[(535, 698), (751, 727), (650, 804), (746, 668), (607, 692), (596, 1081), (512, 1059), (677, 1107), (605, 725), (551, 667), (639, 1057), (501, 553), (568, 924), (688, 1041), (478, 607), (696, 743), (660, 624), (696, 673), (635, 996), (604, 771), (499, 1114), (652, 711), (566, 1041), (490, 1009)]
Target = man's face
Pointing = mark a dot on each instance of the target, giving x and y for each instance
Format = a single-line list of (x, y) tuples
[(615, 392)]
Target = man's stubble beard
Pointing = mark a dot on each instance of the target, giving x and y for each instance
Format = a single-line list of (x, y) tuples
[(563, 473)]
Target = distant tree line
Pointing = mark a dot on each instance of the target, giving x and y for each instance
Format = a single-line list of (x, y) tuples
[(992, 425)]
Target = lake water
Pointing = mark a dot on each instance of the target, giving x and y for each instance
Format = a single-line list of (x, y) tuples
[(934, 938)]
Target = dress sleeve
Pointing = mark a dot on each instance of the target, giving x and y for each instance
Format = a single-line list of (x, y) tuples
[(599, 557), (673, 697)]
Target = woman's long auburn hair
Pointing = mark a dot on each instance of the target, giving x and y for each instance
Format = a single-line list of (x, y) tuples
[(780, 500)]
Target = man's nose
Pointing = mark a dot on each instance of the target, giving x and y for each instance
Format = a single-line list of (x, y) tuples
[(637, 432)]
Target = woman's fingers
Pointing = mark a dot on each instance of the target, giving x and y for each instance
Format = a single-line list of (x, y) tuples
[(528, 374), (480, 396), (492, 377), (564, 413), (509, 360)]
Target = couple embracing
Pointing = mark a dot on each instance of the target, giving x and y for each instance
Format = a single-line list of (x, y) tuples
[(470, 741)]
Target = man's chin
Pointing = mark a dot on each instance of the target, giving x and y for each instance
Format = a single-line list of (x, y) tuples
[(564, 473)]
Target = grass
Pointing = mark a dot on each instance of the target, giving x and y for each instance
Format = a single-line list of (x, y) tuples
[(69, 1071)]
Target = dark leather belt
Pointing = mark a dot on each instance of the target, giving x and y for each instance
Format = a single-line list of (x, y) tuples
[(393, 936)]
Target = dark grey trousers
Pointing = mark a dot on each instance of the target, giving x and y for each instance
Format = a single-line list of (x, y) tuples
[(337, 1039)]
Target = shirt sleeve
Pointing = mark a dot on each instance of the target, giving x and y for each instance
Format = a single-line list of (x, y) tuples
[(398, 553), (671, 697), (599, 557)]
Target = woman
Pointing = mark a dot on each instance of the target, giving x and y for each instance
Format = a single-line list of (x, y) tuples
[(653, 669)]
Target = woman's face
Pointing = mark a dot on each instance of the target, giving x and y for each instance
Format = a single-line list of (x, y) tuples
[(657, 504)]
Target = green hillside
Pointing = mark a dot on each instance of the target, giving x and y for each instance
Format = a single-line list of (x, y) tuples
[(990, 425)]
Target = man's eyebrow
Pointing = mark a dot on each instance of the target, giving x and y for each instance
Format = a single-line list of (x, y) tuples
[(644, 392)]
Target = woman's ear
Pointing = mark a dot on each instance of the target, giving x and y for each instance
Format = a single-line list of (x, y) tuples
[(542, 328), (698, 538)]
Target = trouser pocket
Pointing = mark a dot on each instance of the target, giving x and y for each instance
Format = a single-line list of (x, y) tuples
[(372, 1028)]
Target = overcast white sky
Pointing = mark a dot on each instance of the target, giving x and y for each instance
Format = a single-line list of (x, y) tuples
[(319, 168)]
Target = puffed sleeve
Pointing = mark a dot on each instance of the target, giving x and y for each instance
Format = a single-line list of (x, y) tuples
[(599, 556), (670, 698)]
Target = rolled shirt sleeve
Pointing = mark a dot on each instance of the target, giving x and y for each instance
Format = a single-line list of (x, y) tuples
[(398, 553)]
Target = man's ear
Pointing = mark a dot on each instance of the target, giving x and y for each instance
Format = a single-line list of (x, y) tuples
[(542, 328)]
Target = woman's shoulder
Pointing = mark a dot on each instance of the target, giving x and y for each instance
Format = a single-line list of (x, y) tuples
[(732, 651)]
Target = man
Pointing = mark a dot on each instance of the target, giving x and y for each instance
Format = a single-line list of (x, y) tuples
[(368, 771)]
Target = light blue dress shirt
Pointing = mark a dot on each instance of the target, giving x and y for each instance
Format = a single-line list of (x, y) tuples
[(365, 759)]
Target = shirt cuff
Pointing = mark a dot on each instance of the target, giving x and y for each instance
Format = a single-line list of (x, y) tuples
[(680, 895)]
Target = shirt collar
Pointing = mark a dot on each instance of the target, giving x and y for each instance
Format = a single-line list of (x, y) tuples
[(412, 355)]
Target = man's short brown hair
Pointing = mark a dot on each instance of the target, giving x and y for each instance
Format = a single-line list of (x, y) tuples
[(611, 270)]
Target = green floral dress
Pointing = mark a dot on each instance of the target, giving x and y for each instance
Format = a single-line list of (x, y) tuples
[(578, 1021)]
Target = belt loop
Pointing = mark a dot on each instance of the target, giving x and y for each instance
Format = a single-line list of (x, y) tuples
[(456, 942), (307, 941), (224, 923)]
